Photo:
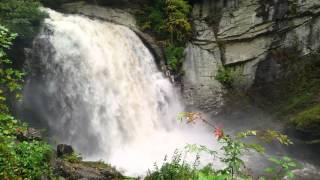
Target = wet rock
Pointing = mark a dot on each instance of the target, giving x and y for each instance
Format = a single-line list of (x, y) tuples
[(240, 35), (86, 170), (202, 61), (112, 14), (30, 134), (63, 149), (155, 49)]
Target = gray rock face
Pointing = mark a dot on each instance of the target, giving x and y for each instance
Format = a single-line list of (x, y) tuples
[(30, 134), (111, 14), (200, 87), (241, 34)]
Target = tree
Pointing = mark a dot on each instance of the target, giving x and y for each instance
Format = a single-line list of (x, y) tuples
[(177, 23), (19, 159), (21, 16)]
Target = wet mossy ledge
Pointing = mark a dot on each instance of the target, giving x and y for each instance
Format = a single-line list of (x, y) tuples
[(308, 122), (67, 164), (294, 95)]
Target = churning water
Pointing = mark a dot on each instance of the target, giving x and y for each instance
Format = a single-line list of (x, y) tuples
[(96, 86)]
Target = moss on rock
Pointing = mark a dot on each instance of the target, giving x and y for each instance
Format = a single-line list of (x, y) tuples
[(308, 120)]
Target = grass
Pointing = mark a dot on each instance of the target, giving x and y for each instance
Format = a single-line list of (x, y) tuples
[(98, 164)]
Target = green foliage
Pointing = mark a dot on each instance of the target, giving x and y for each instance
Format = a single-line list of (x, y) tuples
[(308, 120), (284, 167), (233, 149), (169, 21), (225, 76), (10, 79), (197, 149), (97, 164), (21, 16), (270, 135), (177, 22), (176, 169), (72, 158), (27, 160), (154, 18), (174, 57)]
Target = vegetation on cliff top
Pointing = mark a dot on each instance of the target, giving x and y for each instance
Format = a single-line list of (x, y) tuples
[(21, 16), (168, 20)]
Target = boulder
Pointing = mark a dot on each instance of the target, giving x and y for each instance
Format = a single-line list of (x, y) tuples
[(86, 170), (30, 134), (63, 149)]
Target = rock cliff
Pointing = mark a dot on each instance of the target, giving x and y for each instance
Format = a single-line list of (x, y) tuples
[(241, 34), (238, 34)]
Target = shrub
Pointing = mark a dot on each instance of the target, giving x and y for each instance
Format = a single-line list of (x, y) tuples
[(286, 166), (18, 160), (174, 57), (225, 76), (233, 148), (10, 78), (177, 22), (169, 21), (154, 18), (21, 16), (73, 158), (176, 169), (29, 160)]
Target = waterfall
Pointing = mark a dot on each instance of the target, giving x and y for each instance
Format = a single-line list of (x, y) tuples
[(95, 85)]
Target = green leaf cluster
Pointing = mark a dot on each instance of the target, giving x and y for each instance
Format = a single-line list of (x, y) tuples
[(284, 167), (18, 159), (178, 169), (73, 158), (21, 159), (225, 76), (174, 57), (169, 21), (10, 79), (234, 147), (21, 16)]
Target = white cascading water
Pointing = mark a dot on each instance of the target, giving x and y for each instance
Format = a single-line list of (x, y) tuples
[(99, 90)]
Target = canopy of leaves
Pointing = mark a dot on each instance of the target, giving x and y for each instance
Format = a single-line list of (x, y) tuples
[(18, 160), (10, 79), (169, 19), (21, 16)]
